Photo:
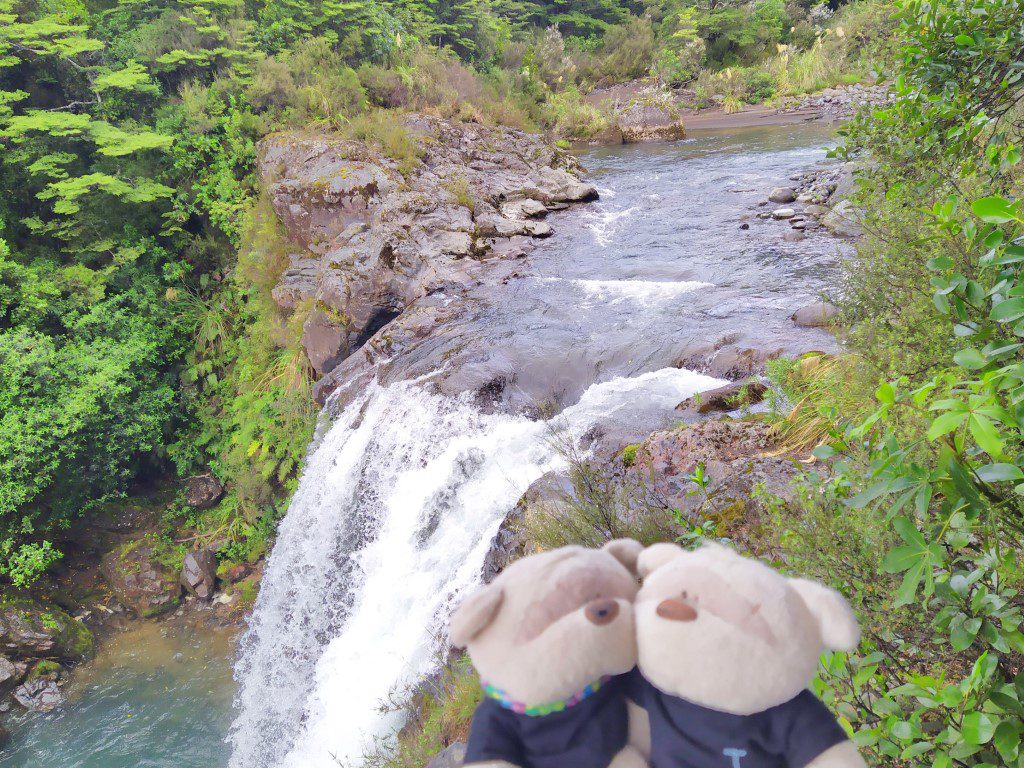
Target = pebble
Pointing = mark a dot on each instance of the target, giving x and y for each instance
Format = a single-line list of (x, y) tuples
[(744, 225), (794, 236), (783, 213), (800, 225), (782, 195)]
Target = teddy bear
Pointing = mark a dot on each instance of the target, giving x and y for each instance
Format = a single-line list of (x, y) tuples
[(552, 639), (726, 649)]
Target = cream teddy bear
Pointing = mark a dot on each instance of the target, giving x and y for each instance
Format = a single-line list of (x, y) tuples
[(727, 647), (552, 638)]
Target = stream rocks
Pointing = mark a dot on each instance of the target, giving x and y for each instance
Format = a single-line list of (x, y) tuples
[(203, 491), (370, 238)]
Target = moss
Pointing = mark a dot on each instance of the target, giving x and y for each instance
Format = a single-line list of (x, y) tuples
[(629, 454), (45, 668), (159, 610)]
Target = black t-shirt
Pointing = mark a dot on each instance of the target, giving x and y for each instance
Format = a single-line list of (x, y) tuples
[(586, 735), (687, 735)]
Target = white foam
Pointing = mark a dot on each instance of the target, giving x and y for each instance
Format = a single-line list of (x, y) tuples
[(644, 291)]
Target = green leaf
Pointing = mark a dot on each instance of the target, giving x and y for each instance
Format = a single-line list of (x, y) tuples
[(970, 359), (1008, 310), (999, 473), (986, 434), (978, 728), (994, 210), (1007, 739), (945, 424), (964, 41)]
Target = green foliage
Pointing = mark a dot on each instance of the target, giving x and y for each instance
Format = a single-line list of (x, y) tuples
[(921, 517)]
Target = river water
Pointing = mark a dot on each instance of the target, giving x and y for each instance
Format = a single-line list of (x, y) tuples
[(405, 486)]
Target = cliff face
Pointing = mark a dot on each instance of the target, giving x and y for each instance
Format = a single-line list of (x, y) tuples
[(371, 242)]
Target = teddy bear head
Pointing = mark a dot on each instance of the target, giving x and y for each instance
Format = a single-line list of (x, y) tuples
[(730, 633), (553, 623)]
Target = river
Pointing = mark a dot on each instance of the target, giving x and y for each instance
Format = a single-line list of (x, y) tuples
[(405, 487)]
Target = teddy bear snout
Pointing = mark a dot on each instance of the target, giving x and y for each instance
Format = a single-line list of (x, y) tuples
[(675, 609), (602, 611)]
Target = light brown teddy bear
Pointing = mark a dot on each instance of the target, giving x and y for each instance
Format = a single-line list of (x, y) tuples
[(552, 638), (727, 647)]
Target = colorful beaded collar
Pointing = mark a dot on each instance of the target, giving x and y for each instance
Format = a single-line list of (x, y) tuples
[(543, 709)]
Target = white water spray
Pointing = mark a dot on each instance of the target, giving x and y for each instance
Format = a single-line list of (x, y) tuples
[(389, 527)]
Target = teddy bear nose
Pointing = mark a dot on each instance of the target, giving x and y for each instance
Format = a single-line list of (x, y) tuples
[(601, 612), (674, 609)]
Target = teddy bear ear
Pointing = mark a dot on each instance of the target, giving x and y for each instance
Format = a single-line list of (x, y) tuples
[(655, 556), (475, 614), (836, 620), (626, 551)]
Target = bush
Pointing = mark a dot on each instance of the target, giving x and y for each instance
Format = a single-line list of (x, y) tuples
[(627, 50)]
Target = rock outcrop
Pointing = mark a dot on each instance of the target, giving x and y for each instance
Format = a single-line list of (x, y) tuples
[(31, 630), (139, 580), (372, 238), (738, 456)]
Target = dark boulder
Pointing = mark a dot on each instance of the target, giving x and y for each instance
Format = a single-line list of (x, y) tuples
[(203, 491)]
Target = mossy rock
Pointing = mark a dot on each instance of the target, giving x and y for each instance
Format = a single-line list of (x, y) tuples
[(142, 576), (29, 629)]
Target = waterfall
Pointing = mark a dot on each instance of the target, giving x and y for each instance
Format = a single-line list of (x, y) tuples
[(388, 529)]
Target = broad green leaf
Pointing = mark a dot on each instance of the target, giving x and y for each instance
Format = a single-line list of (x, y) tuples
[(994, 210), (1008, 310), (970, 359), (945, 424), (986, 434), (998, 473), (978, 728)]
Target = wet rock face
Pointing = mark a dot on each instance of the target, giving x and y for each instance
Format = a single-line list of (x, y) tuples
[(371, 243), (139, 580), (34, 630)]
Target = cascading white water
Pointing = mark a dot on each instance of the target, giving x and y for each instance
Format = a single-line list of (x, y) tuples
[(390, 525)]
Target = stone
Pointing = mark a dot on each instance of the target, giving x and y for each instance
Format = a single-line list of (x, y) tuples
[(726, 398), (203, 491), (325, 341), (39, 695), (744, 225), (451, 756), (199, 573), (842, 220), (31, 630), (783, 213), (820, 314), (782, 195), (232, 572), (816, 211), (794, 236), (139, 580), (10, 674), (648, 118), (5, 736), (523, 209)]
